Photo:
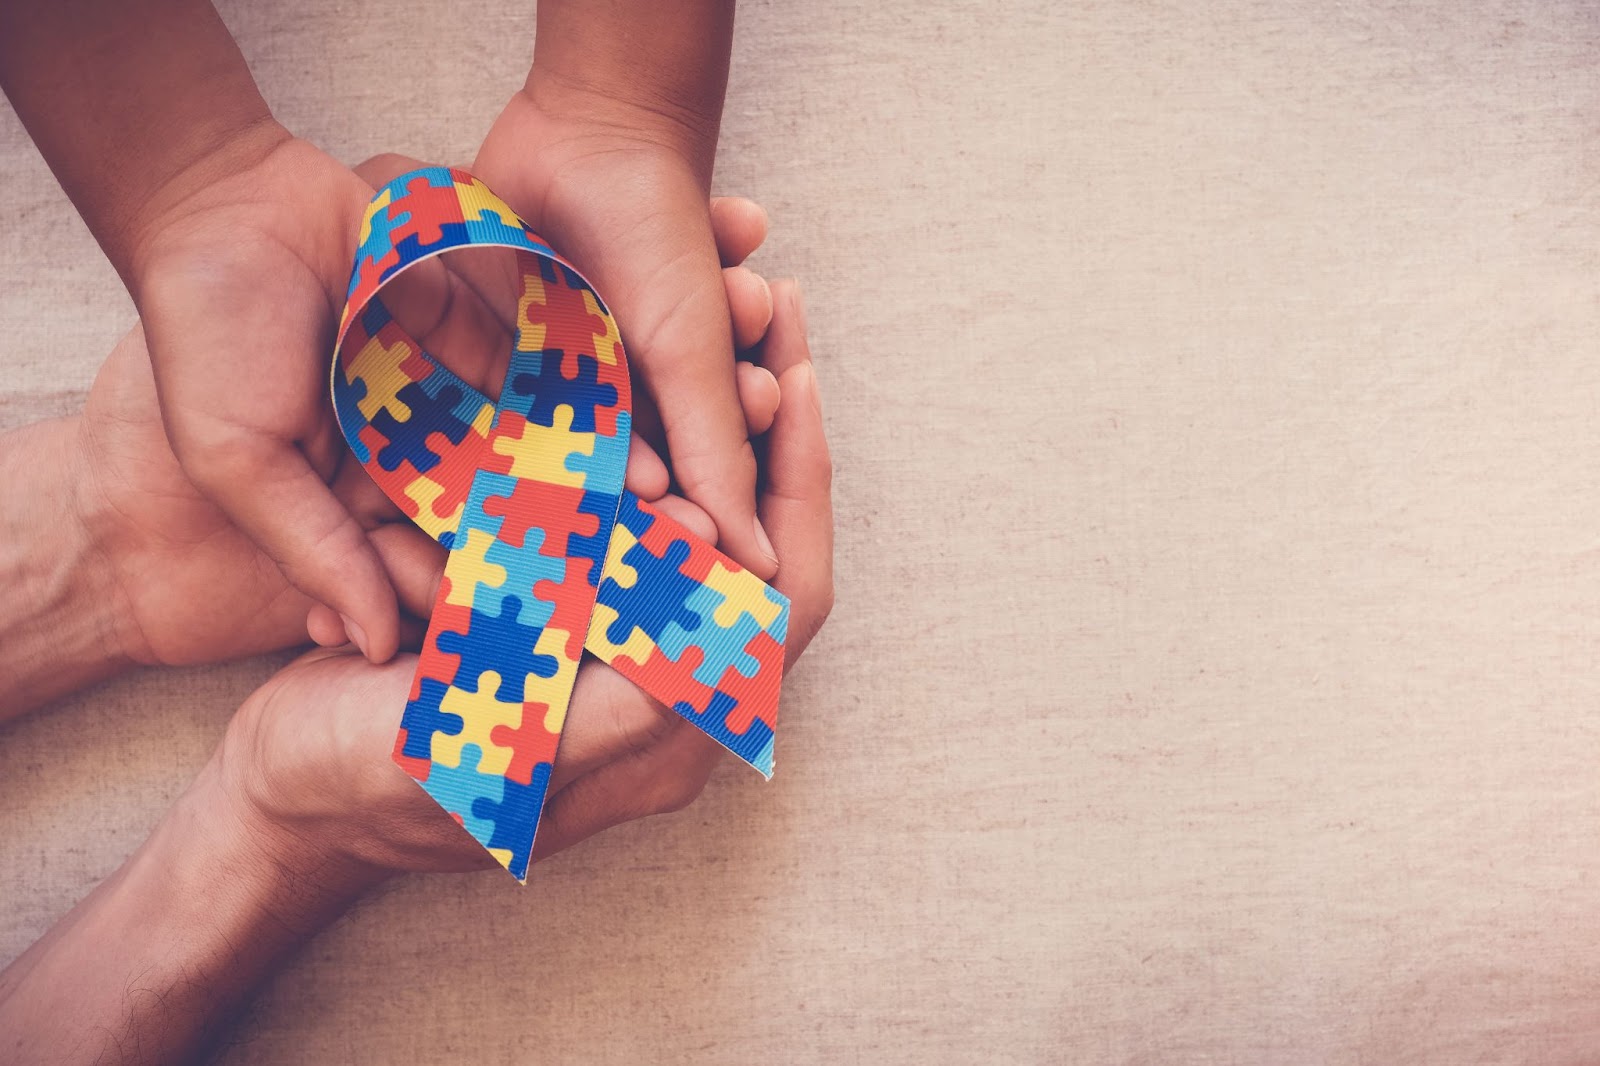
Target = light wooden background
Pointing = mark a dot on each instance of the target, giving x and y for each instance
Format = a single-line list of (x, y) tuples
[(1213, 390)]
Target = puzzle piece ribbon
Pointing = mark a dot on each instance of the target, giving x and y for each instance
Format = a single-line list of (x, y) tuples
[(549, 554)]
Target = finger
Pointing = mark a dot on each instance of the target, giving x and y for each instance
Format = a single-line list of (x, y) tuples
[(270, 491), (610, 717), (413, 631), (647, 476), (325, 627), (414, 562), (381, 169), (797, 504), (758, 395), (689, 515), (362, 497), (667, 776), (684, 365), (739, 226), (749, 305), (786, 346)]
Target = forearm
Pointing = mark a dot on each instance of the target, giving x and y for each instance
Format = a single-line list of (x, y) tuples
[(59, 631), (633, 61), (133, 103), (153, 964)]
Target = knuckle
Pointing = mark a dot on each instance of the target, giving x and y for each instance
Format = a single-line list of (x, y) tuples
[(704, 470), (213, 466), (676, 791), (637, 726)]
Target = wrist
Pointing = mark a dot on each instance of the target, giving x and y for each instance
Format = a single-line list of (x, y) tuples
[(577, 117), (278, 884), (63, 626), (162, 953), (295, 833), (206, 180), (659, 70)]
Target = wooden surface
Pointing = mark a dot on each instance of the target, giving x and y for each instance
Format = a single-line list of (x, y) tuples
[(1213, 396)]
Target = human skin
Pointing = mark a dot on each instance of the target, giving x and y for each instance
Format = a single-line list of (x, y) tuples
[(235, 240), (121, 560), (607, 150), (300, 811)]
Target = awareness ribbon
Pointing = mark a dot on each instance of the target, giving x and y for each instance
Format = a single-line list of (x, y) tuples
[(549, 554)]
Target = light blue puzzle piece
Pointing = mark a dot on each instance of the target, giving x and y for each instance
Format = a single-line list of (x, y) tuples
[(605, 467), (526, 567), (456, 787)]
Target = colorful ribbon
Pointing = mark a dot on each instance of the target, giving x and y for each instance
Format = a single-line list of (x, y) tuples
[(546, 546)]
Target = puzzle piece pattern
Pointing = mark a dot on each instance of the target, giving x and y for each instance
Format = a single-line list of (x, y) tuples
[(550, 556)]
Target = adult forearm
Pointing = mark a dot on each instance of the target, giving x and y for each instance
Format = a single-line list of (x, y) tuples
[(633, 61), (133, 103), (59, 631), (153, 964)]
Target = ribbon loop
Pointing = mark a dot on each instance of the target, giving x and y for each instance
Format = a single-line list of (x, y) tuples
[(549, 553)]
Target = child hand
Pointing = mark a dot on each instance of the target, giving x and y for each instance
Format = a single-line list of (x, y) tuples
[(238, 283), (629, 209)]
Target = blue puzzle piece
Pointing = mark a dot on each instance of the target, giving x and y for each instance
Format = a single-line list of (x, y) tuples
[(347, 397), (451, 235), (485, 483), (436, 177), (724, 648), (469, 402), (375, 316), (541, 385), (423, 718), (604, 507), (656, 600), (408, 440), (516, 818), (754, 745), (501, 643), (632, 517)]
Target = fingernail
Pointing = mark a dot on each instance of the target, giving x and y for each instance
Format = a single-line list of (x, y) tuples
[(356, 633), (816, 392), (764, 543)]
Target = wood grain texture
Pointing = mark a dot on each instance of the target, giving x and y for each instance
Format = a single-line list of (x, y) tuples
[(1213, 678)]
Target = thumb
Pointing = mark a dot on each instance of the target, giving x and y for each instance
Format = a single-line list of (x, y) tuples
[(271, 492)]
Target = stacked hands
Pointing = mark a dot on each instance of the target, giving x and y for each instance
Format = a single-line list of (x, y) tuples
[(204, 505)]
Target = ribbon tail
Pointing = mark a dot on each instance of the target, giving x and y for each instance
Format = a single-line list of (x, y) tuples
[(694, 629)]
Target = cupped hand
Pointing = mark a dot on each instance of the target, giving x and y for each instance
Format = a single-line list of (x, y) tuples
[(309, 751), (629, 209), (192, 586), (239, 281), (195, 586)]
